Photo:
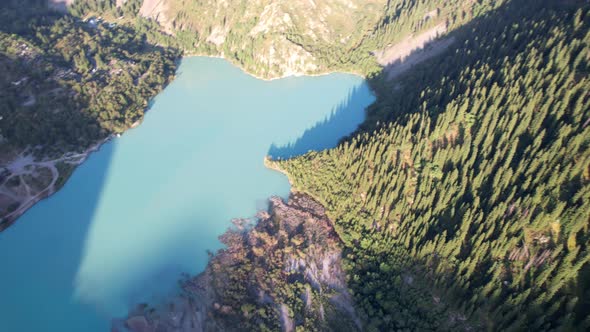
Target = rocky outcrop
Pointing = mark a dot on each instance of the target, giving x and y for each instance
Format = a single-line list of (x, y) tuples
[(283, 272), (270, 38), (59, 5), (155, 9)]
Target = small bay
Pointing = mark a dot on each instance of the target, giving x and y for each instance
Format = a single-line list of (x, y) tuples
[(149, 205)]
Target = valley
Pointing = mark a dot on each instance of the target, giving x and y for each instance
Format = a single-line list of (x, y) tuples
[(443, 184)]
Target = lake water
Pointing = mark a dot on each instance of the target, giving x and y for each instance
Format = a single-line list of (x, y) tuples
[(148, 205)]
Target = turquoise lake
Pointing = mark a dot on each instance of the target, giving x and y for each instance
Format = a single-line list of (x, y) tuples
[(150, 204)]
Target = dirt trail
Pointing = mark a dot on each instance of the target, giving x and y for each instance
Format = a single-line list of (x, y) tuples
[(413, 49), (16, 191), (408, 45)]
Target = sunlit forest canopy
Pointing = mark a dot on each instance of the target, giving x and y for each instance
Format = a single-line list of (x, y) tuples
[(472, 175)]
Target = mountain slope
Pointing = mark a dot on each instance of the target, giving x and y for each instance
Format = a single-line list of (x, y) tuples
[(276, 38), (463, 202), (473, 176)]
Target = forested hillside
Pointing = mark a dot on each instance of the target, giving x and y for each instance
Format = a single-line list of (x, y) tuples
[(463, 201), (66, 85), (274, 38), (471, 180)]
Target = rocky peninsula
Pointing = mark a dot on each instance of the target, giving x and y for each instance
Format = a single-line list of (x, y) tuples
[(282, 272)]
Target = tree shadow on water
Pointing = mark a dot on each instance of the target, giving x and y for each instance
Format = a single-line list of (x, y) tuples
[(342, 121)]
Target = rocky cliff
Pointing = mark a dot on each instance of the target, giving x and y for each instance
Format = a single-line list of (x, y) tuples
[(269, 37), (284, 272)]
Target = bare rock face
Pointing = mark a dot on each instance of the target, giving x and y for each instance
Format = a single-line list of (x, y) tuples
[(59, 5), (269, 37), (139, 324), (155, 9), (291, 255)]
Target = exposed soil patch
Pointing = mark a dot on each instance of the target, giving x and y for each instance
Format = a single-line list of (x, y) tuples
[(24, 180), (402, 56)]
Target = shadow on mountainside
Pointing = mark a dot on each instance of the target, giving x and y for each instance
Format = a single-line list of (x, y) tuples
[(417, 71), (426, 88)]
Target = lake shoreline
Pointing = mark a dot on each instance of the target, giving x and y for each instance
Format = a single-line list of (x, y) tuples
[(101, 217), (269, 79), (206, 301), (6, 222), (11, 218), (271, 164)]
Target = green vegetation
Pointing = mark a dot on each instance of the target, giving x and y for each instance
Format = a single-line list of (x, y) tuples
[(398, 20), (270, 38), (278, 264), (67, 83), (129, 8), (464, 197), (288, 267), (472, 176), (128, 15)]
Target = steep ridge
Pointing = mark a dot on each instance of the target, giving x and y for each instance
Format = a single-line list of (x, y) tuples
[(258, 32), (281, 38), (475, 173)]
